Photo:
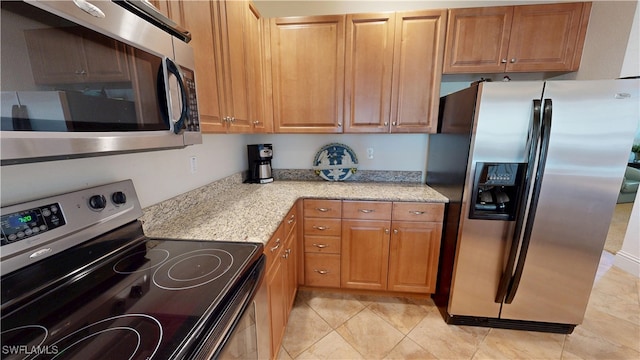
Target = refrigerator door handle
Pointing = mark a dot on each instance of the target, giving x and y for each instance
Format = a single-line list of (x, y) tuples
[(524, 247), (532, 149)]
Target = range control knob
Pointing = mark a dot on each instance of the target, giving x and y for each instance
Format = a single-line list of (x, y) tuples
[(97, 202), (119, 198)]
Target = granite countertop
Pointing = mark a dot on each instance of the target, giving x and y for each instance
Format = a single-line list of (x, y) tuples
[(230, 210)]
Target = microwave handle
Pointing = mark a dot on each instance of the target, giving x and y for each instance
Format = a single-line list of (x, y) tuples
[(172, 68)]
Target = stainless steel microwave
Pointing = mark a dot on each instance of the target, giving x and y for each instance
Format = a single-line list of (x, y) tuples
[(82, 78)]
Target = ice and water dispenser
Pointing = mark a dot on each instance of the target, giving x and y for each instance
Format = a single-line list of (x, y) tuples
[(497, 189)]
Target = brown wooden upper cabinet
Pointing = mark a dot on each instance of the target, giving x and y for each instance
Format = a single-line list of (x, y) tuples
[(228, 56), (393, 66), (307, 73), (528, 38)]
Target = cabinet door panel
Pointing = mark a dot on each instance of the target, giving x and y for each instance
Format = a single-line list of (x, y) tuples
[(413, 257), (235, 61), (199, 19), (477, 39), (276, 289), (369, 55), (419, 43), (365, 254), (307, 55), (546, 37)]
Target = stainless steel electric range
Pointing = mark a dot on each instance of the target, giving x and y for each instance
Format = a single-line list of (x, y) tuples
[(80, 280)]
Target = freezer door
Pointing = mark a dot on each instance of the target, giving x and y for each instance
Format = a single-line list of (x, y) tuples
[(592, 130), (503, 116)]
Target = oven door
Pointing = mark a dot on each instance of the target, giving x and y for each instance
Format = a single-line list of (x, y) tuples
[(77, 82), (237, 330)]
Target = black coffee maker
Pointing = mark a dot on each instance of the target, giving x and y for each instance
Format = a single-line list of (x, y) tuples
[(259, 156)]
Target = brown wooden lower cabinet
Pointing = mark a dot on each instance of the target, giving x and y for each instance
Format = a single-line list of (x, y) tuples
[(281, 277), (365, 254), (382, 245), (369, 245), (413, 256)]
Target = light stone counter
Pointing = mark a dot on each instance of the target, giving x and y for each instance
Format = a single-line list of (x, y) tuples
[(230, 210)]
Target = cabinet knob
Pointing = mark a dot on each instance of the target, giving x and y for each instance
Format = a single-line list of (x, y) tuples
[(321, 272), (513, 60), (503, 61), (291, 219), (394, 123), (395, 231), (386, 231), (339, 124), (232, 119), (386, 123), (256, 123)]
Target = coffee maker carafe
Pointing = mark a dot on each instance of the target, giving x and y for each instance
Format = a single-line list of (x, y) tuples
[(259, 156)]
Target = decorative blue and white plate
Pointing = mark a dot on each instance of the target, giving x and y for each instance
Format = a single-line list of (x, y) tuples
[(335, 162)]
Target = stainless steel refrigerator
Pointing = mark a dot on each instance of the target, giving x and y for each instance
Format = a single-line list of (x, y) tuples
[(533, 170)]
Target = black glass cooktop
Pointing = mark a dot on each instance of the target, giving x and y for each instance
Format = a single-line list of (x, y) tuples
[(121, 296)]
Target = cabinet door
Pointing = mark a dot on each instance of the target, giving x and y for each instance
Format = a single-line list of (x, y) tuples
[(417, 68), (276, 291), (365, 254), (174, 10), (548, 37), (199, 19), (307, 71), (235, 50), (290, 256), (413, 256), (255, 72), (368, 59), (478, 40)]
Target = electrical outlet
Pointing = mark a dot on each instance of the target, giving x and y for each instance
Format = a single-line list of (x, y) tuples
[(193, 162), (369, 153)]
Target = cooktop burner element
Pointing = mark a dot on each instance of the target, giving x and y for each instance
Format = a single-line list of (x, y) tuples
[(120, 337), (192, 269)]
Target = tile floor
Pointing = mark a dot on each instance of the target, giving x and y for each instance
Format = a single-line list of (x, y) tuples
[(328, 325)]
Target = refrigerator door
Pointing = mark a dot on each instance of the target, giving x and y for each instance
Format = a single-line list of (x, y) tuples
[(503, 118), (592, 128)]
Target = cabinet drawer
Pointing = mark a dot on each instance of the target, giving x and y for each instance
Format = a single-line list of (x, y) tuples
[(322, 244), (414, 211), (273, 248), (322, 270), (324, 227), (290, 220), (366, 210), (322, 208)]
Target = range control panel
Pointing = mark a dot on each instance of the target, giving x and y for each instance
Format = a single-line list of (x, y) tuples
[(26, 223), (37, 229)]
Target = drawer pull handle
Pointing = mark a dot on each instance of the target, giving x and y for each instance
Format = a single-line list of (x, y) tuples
[(321, 228), (321, 272), (416, 212), (367, 211), (286, 254), (320, 246), (291, 220), (323, 209), (277, 246)]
